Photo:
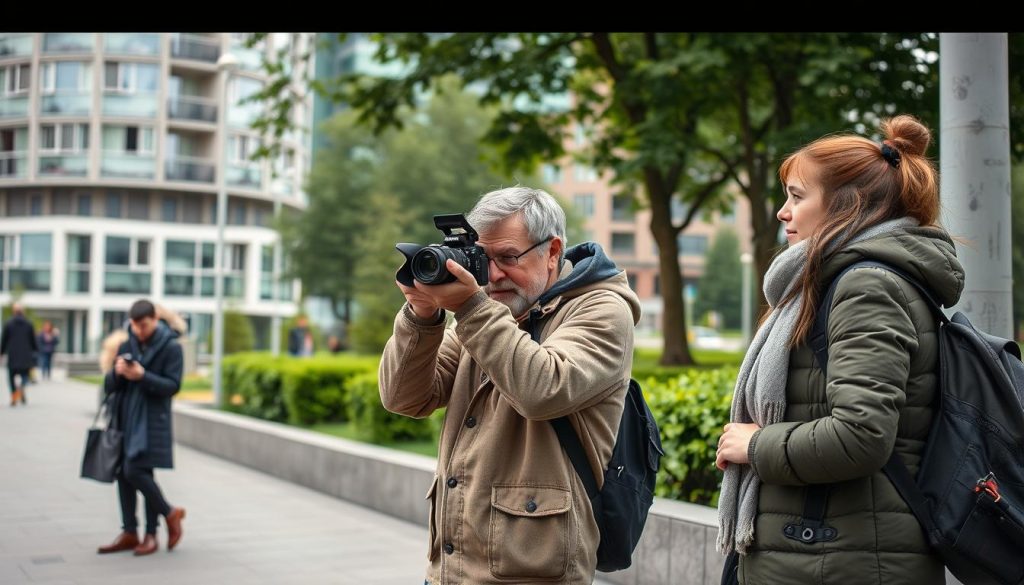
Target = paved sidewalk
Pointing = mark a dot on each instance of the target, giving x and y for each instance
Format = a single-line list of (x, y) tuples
[(242, 526)]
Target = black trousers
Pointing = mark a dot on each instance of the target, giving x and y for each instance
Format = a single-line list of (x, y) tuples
[(133, 478)]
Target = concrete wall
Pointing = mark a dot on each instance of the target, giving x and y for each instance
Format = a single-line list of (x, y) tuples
[(677, 548)]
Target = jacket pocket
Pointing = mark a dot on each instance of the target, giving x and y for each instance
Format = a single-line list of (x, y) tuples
[(529, 532), (435, 547)]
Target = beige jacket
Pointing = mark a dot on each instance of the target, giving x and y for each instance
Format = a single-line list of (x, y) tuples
[(506, 504)]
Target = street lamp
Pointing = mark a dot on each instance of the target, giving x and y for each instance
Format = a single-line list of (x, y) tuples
[(746, 259), (226, 64)]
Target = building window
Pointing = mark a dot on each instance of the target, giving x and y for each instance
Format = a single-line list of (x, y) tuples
[(114, 205), (14, 79), (266, 273), (128, 139), (169, 209), (584, 203), (70, 138), (35, 204), (191, 212), (234, 270), (623, 243), (130, 77), (585, 172), (65, 76), (236, 211), (25, 262), (138, 206), (79, 255), (552, 174), (126, 268), (693, 245), (85, 204), (622, 208)]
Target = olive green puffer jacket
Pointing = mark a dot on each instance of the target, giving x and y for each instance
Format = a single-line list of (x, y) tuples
[(883, 353)]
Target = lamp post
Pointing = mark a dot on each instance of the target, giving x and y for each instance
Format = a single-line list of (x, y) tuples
[(746, 259), (226, 64)]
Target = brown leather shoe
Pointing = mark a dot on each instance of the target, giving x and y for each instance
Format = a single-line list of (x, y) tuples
[(15, 397), (174, 531), (124, 541), (148, 546)]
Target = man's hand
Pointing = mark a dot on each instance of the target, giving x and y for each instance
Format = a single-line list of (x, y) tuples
[(733, 444), (426, 299), (129, 370)]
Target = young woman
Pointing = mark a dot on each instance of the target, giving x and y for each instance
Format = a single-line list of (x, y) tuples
[(847, 199)]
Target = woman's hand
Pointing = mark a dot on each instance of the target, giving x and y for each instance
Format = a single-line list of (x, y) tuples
[(733, 444)]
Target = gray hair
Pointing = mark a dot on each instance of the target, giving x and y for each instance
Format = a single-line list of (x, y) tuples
[(540, 212)]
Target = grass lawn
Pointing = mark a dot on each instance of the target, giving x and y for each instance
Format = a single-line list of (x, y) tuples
[(346, 431)]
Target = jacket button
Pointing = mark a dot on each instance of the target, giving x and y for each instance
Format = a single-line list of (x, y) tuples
[(452, 482), (449, 548), (470, 422), (531, 506)]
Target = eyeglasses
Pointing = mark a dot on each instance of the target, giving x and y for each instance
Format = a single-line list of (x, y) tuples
[(509, 261)]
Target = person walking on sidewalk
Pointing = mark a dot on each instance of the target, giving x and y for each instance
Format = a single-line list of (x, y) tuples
[(146, 375), (18, 343), (49, 339)]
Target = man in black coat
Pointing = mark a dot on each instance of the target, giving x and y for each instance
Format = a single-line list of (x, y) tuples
[(18, 343), (146, 374)]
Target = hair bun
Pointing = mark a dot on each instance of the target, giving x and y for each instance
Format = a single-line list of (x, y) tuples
[(907, 135)]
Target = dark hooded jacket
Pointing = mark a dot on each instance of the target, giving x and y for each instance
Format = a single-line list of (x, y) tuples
[(142, 409)]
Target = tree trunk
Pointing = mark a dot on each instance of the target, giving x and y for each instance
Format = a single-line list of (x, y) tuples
[(676, 349)]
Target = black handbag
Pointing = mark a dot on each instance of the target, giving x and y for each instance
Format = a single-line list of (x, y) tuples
[(102, 458)]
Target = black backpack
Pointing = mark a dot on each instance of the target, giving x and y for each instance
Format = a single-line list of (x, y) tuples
[(969, 491), (621, 505)]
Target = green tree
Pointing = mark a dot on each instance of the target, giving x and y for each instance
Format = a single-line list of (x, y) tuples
[(377, 297), (238, 333), (678, 114), (721, 286)]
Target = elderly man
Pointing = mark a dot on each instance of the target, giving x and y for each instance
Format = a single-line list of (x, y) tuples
[(506, 504)]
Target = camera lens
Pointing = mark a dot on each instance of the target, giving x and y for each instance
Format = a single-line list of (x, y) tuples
[(428, 265)]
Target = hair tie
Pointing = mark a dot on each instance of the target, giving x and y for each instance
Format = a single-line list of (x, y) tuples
[(891, 155)]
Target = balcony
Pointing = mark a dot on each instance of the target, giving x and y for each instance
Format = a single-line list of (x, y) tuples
[(70, 103), (195, 47), (127, 165), (245, 175), (192, 108), (63, 165), (14, 107), (15, 45), (138, 105), (68, 42), (187, 168), (13, 164), (131, 44)]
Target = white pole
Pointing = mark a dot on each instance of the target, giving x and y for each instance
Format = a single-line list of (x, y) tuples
[(975, 170)]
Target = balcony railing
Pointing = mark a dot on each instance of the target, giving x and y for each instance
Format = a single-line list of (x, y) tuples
[(197, 48), (244, 175), (13, 164), (71, 103), (14, 107), (15, 45), (126, 165), (68, 42), (186, 168), (131, 44), (68, 165), (139, 105), (192, 108)]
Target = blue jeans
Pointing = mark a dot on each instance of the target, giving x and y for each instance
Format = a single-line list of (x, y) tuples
[(45, 361)]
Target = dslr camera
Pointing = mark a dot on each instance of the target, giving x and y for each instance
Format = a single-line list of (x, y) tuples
[(427, 263)]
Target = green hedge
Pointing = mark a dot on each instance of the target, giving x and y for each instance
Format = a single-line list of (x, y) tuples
[(691, 410), (690, 406)]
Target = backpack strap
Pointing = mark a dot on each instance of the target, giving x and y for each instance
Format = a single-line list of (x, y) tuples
[(566, 434)]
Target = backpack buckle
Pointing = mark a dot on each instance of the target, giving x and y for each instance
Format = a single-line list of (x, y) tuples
[(988, 485)]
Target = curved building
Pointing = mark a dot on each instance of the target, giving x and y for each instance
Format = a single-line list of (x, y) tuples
[(110, 168)]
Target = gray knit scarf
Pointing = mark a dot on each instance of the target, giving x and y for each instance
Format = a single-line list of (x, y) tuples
[(760, 394)]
